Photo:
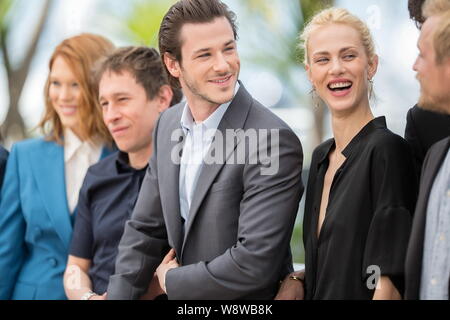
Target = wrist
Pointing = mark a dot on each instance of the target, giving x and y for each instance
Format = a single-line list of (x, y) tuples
[(296, 278), (88, 295), (298, 274)]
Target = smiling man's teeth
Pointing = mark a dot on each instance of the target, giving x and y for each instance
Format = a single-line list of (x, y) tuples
[(340, 85), (220, 81)]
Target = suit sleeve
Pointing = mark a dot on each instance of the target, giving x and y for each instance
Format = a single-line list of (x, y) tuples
[(267, 215), (413, 138), (12, 229), (144, 242)]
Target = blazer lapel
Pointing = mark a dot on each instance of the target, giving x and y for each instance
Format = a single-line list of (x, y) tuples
[(233, 119), (431, 171), (50, 180), (173, 212)]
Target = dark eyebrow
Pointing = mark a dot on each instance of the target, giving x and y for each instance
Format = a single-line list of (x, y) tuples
[(201, 51), (115, 95), (120, 94), (207, 49), (230, 42)]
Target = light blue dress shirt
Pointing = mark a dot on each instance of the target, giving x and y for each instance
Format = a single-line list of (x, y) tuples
[(198, 142), (436, 256)]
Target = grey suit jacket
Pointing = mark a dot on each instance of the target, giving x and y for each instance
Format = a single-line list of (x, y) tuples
[(431, 165), (236, 244)]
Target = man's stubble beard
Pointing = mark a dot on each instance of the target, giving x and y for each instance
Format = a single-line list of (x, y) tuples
[(193, 88), (435, 104)]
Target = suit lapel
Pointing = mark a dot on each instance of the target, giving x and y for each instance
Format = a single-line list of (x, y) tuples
[(433, 168), (173, 217), (50, 180), (234, 119)]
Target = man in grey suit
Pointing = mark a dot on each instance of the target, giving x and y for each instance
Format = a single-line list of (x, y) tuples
[(223, 186), (428, 256)]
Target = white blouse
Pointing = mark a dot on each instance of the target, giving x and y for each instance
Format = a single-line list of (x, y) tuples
[(78, 157)]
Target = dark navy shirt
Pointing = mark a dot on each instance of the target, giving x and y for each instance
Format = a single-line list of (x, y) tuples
[(107, 199)]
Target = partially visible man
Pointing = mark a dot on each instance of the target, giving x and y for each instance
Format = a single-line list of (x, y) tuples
[(428, 257), (133, 90), (211, 193), (425, 127), (3, 158)]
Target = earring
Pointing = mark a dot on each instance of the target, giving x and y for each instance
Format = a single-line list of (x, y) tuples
[(370, 88), (315, 97)]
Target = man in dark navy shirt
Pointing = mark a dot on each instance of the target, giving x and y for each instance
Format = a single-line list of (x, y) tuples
[(133, 91)]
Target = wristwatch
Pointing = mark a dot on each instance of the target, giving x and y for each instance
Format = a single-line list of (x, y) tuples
[(296, 278), (88, 295)]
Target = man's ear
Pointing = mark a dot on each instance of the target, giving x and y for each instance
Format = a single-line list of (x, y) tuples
[(164, 97), (172, 65)]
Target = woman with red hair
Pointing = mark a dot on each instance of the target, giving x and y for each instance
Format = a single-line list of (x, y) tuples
[(43, 176)]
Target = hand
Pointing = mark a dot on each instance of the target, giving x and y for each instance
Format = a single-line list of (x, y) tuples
[(292, 289), (154, 289), (169, 262), (96, 297), (386, 290)]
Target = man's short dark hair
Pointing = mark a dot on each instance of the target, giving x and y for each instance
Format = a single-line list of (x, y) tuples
[(144, 64), (189, 11), (415, 12)]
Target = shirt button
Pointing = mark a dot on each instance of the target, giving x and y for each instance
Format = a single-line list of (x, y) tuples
[(52, 262), (442, 237), (448, 193), (433, 282)]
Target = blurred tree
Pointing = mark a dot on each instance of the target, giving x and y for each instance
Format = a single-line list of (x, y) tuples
[(13, 128), (143, 22)]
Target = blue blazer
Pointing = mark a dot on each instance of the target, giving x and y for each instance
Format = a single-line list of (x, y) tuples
[(35, 223), (3, 157)]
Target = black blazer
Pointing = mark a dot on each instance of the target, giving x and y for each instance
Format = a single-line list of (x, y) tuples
[(3, 157), (432, 163), (423, 129)]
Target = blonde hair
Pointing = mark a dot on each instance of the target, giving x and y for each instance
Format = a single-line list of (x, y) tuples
[(441, 37), (81, 53), (342, 16), (435, 7)]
